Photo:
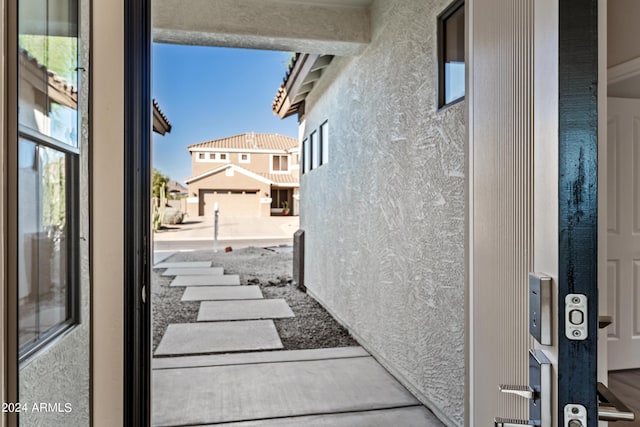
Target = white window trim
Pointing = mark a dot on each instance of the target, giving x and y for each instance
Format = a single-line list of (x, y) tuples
[(324, 143), (315, 150), (244, 154), (216, 157), (306, 160)]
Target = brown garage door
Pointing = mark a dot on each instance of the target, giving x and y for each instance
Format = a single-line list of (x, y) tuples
[(235, 202)]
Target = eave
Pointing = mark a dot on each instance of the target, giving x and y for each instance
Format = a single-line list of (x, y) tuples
[(161, 124), (304, 71)]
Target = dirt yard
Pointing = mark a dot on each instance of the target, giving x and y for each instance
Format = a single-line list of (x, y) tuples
[(312, 326)]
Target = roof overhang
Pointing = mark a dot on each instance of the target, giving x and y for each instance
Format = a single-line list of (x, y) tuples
[(235, 169), (305, 70), (161, 124)]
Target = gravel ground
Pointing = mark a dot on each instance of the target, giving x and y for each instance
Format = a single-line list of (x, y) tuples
[(312, 326)]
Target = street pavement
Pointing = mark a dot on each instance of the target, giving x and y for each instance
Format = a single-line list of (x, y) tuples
[(237, 232)]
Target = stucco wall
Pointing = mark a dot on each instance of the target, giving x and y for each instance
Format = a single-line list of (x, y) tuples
[(385, 218), (60, 373)]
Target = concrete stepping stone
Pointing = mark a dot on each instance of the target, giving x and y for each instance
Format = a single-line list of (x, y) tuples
[(194, 271), (186, 264), (218, 337), (196, 396), (221, 280), (258, 357), (244, 310), (159, 256), (410, 416), (212, 293)]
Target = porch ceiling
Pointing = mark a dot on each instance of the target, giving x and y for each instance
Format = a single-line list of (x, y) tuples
[(312, 26)]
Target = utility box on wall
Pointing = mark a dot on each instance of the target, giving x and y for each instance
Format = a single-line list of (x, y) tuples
[(298, 260)]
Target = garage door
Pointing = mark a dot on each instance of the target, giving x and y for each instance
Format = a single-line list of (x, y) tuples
[(236, 203)]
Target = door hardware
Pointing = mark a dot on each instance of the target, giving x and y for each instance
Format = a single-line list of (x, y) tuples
[(576, 317), (538, 393), (575, 415), (540, 307), (519, 390), (507, 422), (604, 321), (610, 408)]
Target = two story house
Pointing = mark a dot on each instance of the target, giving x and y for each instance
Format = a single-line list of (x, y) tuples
[(250, 174)]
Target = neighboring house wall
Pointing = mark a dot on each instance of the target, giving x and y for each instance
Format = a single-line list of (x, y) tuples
[(385, 217), (258, 162), (239, 181)]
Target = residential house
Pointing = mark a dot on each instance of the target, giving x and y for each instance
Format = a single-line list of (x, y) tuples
[(250, 174), (445, 204)]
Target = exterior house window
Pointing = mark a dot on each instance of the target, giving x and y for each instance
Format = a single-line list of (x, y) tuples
[(280, 163), (305, 156), (201, 156), (324, 143), (48, 172), (212, 156), (223, 156), (451, 66), (244, 158), (313, 138)]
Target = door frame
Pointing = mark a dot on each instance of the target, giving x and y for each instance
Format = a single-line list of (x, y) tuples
[(137, 210), (578, 199)]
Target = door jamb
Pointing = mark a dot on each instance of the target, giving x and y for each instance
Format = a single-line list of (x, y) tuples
[(578, 199), (137, 210)]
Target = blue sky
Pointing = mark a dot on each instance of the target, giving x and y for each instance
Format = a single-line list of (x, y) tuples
[(209, 93)]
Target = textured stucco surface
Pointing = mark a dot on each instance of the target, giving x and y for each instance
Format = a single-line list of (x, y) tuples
[(263, 24), (59, 374), (385, 218)]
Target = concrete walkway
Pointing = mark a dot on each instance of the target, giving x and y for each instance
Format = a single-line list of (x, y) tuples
[(211, 379)]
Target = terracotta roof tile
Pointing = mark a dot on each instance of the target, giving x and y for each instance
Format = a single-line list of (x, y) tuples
[(282, 178), (249, 141)]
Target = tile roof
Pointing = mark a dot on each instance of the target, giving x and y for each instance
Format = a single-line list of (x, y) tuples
[(282, 178), (160, 122), (249, 141)]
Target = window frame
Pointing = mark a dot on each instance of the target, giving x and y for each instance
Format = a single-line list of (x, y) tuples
[(304, 161), (314, 152), (72, 196), (323, 133), (280, 170), (244, 154), (441, 41), (72, 154)]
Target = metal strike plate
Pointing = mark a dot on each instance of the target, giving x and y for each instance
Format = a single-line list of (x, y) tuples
[(540, 313), (576, 316), (575, 415)]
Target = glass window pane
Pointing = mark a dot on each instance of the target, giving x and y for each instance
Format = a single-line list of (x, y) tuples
[(324, 137), (42, 240), (454, 56), (48, 68)]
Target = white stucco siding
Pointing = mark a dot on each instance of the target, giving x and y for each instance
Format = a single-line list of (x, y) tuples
[(385, 218)]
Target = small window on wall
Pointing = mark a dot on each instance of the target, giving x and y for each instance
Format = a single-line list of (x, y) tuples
[(201, 156), (313, 138), (280, 163), (451, 66), (306, 156), (244, 158), (324, 143)]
